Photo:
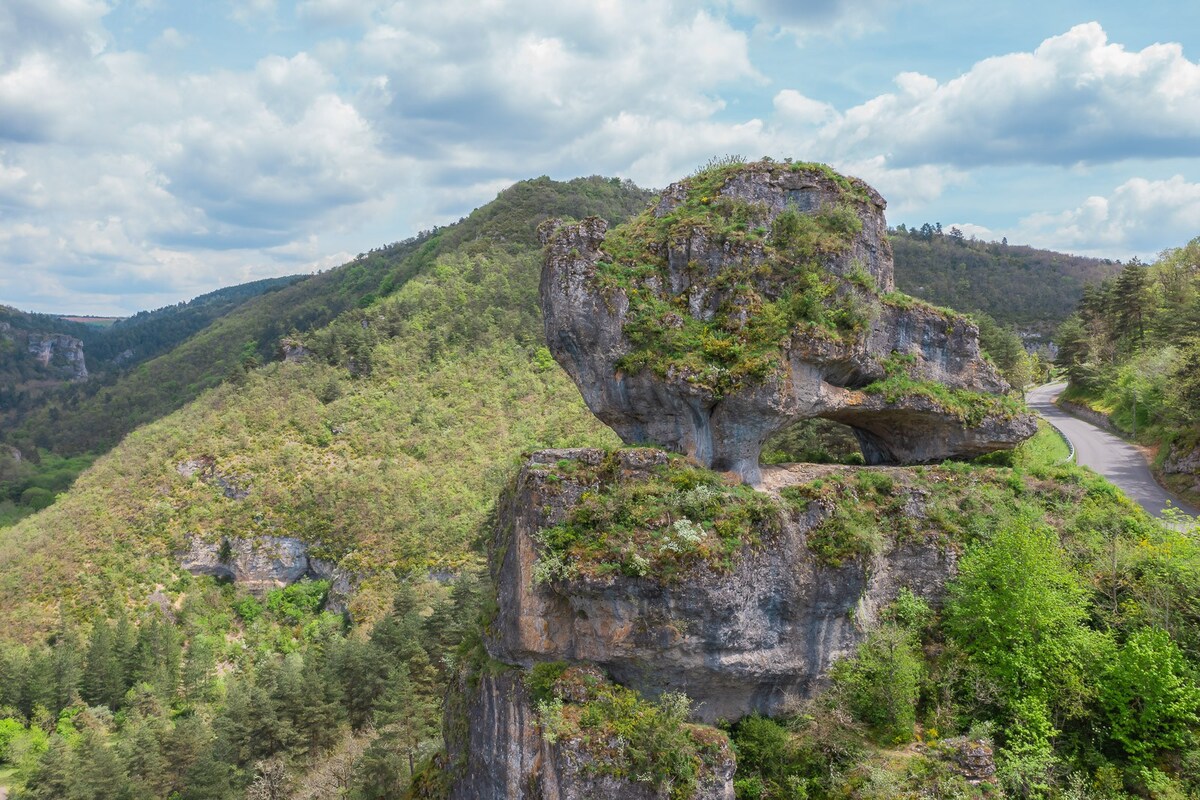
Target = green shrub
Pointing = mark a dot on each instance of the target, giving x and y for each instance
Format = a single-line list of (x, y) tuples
[(881, 684), (37, 498), (302, 599), (1149, 696), (248, 609), (629, 737)]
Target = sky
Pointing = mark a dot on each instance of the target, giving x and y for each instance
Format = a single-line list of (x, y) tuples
[(155, 150)]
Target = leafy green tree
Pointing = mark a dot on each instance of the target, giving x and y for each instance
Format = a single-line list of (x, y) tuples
[(1018, 611), (881, 684), (1027, 760), (1149, 697)]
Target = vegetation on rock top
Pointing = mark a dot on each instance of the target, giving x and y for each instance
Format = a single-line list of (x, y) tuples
[(773, 280), (971, 407), (661, 522)]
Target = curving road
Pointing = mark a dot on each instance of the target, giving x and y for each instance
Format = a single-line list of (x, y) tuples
[(1109, 455)]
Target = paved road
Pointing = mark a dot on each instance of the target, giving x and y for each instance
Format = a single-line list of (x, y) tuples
[(1109, 455)]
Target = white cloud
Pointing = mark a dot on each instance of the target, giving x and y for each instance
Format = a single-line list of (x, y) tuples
[(1140, 217), (1076, 98), (524, 79), (117, 171), (250, 12), (170, 39), (71, 29), (337, 12)]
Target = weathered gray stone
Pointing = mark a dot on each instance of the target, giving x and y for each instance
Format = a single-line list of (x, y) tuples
[(57, 348), (265, 563), (260, 565), (735, 642), (816, 375), (234, 487), (1182, 461), (503, 755)]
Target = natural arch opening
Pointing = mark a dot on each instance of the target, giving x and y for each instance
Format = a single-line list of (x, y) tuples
[(813, 441)]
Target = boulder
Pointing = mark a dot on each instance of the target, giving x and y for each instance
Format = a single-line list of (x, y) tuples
[(754, 295)]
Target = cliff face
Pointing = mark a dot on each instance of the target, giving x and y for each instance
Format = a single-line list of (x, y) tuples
[(56, 355), (737, 639), (502, 754), (756, 295), (57, 350), (653, 585)]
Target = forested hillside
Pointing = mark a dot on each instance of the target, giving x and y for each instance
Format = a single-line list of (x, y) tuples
[(383, 449), (21, 372), (1020, 286), (146, 334), (1132, 351)]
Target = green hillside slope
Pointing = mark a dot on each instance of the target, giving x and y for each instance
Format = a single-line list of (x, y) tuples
[(385, 449), (1017, 285), (146, 334)]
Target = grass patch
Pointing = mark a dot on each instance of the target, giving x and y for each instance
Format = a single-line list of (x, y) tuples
[(969, 407), (664, 522), (1043, 450)]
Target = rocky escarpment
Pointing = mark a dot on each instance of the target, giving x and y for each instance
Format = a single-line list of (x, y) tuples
[(754, 295), (59, 352), (501, 750), (265, 563), (56, 355), (258, 563), (660, 576), (741, 632)]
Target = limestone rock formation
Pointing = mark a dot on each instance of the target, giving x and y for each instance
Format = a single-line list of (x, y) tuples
[(735, 639), (265, 563), (503, 755), (234, 487), (59, 350), (754, 295)]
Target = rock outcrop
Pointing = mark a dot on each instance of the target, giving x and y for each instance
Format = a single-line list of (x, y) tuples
[(755, 295), (234, 487), (737, 640), (502, 754), (265, 563), (57, 350)]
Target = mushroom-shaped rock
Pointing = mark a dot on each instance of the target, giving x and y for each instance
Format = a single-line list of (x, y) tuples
[(754, 295)]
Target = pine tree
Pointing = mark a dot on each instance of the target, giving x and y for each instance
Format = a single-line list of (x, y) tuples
[(99, 774), (103, 682), (51, 779), (67, 668)]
